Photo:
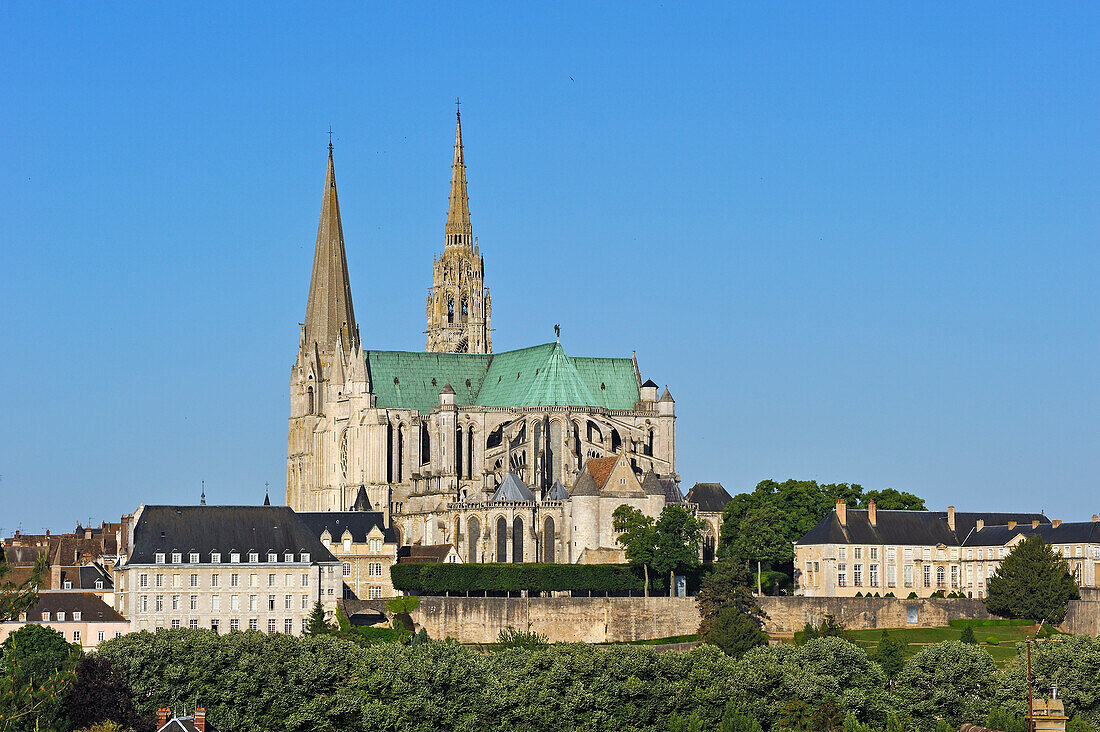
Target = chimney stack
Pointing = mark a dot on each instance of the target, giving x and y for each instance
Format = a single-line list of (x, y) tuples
[(1056, 523), (1035, 523), (842, 511), (1095, 518), (1011, 525), (951, 517), (979, 525), (162, 716), (872, 513), (200, 719), (88, 533)]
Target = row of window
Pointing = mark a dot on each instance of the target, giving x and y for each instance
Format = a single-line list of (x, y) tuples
[(100, 636), (907, 575), (68, 584), (175, 602), (993, 552), (234, 557), (374, 569), (215, 580), (59, 616), (235, 624), (374, 546)]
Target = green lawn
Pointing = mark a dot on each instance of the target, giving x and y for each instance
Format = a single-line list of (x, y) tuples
[(917, 638)]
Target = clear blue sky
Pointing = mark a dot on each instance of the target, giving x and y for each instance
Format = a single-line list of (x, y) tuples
[(859, 243)]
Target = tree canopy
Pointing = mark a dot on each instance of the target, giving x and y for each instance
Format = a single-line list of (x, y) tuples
[(1032, 582), (663, 546)]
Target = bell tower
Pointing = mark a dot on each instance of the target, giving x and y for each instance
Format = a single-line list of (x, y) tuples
[(459, 305)]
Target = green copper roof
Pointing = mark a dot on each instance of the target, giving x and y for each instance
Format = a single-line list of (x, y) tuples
[(537, 376)]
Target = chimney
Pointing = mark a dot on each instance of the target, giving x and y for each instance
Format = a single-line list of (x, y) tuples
[(162, 716), (951, 517), (1095, 518), (1035, 523), (1055, 523), (979, 525), (88, 533), (200, 719), (872, 513), (1011, 525), (842, 511)]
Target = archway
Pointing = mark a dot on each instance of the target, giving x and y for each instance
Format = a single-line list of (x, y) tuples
[(473, 528), (549, 541), (502, 540), (517, 540)]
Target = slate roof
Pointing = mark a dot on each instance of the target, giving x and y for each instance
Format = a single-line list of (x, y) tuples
[(359, 523), (185, 724), (672, 490), (536, 376), (204, 529), (362, 502), (90, 607), (513, 489), (84, 578), (711, 497), (651, 484), (1077, 532), (585, 486), (18, 556), (917, 528), (557, 492), (423, 554)]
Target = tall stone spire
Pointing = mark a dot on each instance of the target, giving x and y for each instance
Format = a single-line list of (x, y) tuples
[(458, 230), (459, 306), (329, 311)]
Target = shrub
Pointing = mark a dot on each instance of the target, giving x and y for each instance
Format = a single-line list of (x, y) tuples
[(992, 641), (912, 596), (512, 638), (949, 681), (735, 631), (968, 637)]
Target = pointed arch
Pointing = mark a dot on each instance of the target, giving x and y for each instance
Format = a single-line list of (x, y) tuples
[(549, 541), (473, 529), (517, 539), (502, 539)]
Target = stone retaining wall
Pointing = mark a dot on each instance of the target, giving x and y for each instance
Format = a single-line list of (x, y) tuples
[(1083, 616)]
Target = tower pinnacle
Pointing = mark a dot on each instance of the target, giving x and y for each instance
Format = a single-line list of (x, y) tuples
[(458, 230), (329, 311)]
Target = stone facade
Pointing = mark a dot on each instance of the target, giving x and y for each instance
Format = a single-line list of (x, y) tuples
[(790, 614), (430, 436)]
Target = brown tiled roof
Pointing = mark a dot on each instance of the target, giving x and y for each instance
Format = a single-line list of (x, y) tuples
[(22, 556), (600, 468)]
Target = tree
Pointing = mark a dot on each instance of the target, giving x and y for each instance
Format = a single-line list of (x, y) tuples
[(760, 537), (968, 637), (1032, 582), (949, 681), (890, 655), (890, 499), (726, 585), (16, 599), (100, 694), (318, 625), (735, 631), (1071, 662), (38, 669), (670, 543)]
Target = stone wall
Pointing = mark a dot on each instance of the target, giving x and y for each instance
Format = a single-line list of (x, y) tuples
[(789, 614), (617, 619), (1082, 616), (588, 619)]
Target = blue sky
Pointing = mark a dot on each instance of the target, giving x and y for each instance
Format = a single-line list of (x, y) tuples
[(857, 241)]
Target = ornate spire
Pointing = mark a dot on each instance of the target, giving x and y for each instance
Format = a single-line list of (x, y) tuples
[(458, 230), (329, 308)]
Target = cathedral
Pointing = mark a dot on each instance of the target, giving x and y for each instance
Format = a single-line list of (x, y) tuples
[(512, 456)]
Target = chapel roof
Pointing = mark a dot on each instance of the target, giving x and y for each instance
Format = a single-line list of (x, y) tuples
[(710, 497), (513, 489), (543, 375)]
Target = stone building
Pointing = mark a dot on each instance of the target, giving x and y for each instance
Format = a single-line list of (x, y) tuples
[(1077, 542), (82, 617), (425, 431), (224, 568), (711, 499), (870, 551), (363, 542)]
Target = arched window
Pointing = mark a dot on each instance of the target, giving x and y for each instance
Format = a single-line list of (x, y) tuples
[(458, 532), (389, 453), (577, 442), (517, 540), (616, 440), (465, 308), (708, 544), (502, 540), (473, 526), (344, 454), (451, 311), (401, 453), (939, 577), (470, 453), (309, 395), (549, 546), (425, 444), (460, 452)]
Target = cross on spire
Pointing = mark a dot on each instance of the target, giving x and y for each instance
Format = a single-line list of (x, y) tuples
[(330, 138)]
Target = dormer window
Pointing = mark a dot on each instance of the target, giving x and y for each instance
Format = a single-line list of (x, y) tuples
[(288, 557), (76, 615), (347, 543), (159, 558), (235, 557), (215, 557), (177, 558), (99, 584), (305, 557), (68, 584), (272, 557), (194, 558), (45, 617), (253, 557), (61, 616)]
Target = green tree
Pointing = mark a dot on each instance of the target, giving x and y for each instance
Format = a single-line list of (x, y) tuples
[(890, 499), (318, 625), (18, 598), (671, 542), (760, 537), (726, 585), (890, 655), (38, 670), (734, 631), (1032, 582), (968, 637), (1070, 661), (100, 694), (949, 681)]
